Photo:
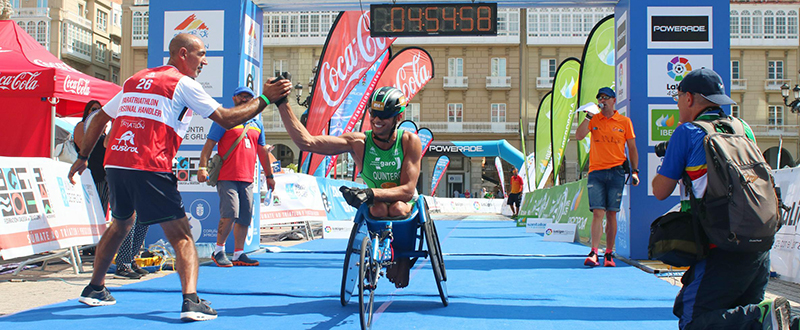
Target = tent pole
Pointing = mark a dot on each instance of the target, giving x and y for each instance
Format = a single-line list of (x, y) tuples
[(53, 101)]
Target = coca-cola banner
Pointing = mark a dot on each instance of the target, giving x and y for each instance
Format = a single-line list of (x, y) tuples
[(349, 53), (349, 112), (408, 71), (27, 83)]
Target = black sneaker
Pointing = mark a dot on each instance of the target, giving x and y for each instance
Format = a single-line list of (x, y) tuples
[(126, 274), (197, 311), (96, 298), (138, 269), (221, 259), (244, 260)]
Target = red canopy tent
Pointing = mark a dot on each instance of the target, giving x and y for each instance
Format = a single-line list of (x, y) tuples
[(34, 87)]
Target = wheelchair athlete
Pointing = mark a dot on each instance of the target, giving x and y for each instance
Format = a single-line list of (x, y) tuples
[(389, 159)]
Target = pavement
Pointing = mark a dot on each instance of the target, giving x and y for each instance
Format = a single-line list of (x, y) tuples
[(56, 283)]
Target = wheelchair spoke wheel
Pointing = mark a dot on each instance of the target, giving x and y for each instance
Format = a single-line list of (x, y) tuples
[(349, 270), (437, 262), (435, 235), (367, 282)]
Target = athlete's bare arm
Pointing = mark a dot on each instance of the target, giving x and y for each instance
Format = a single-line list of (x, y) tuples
[(230, 117), (319, 144)]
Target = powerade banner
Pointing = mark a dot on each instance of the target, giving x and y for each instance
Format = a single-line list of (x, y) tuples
[(346, 117), (499, 165), (542, 141), (348, 54), (479, 149), (567, 203), (408, 126), (597, 71), (408, 71), (425, 138), (438, 171), (565, 102)]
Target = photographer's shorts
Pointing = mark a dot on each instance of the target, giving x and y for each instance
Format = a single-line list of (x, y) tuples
[(605, 188), (153, 195), (236, 201)]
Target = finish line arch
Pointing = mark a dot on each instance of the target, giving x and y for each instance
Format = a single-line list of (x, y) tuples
[(494, 148)]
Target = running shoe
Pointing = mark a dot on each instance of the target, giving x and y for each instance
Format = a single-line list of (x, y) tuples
[(221, 259), (776, 314), (135, 267), (591, 260), (197, 311), (126, 273), (96, 298), (609, 260), (244, 260)]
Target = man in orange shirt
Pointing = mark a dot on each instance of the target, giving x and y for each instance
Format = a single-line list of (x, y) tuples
[(610, 133), (514, 197)]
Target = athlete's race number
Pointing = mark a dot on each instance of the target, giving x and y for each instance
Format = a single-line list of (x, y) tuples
[(144, 83)]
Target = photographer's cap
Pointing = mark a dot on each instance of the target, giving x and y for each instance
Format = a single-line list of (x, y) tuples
[(606, 90), (243, 89), (707, 83)]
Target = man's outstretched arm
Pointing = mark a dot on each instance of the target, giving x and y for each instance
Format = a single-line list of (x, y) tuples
[(319, 144)]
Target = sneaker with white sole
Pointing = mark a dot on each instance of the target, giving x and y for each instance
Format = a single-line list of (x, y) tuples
[(776, 314), (96, 298), (197, 311), (244, 260)]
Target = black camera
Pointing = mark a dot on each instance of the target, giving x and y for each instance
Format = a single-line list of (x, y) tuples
[(661, 149), (282, 75)]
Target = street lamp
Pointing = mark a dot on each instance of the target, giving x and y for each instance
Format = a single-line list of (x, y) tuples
[(795, 104)]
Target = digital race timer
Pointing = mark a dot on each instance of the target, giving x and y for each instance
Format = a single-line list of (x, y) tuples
[(435, 19)]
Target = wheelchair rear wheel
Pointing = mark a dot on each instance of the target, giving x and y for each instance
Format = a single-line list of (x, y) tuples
[(368, 269), (437, 262), (349, 274), (435, 236)]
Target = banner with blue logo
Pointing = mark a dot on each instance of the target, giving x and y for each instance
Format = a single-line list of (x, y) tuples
[(438, 171)]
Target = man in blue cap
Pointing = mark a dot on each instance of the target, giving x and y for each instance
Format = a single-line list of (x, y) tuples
[(726, 289), (611, 132), (240, 145)]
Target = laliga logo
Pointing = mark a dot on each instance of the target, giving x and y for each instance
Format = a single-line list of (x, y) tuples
[(79, 86), (410, 85), (548, 231), (678, 67), (476, 206), (24, 81), (334, 80), (328, 229)]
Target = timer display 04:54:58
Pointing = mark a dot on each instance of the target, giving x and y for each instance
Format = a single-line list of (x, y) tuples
[(474, 19)]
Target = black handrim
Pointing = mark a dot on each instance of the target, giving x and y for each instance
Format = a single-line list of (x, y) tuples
[(366, 283), (344, 298)]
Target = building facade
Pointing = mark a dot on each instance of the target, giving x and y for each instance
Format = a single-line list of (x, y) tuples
[(484, 87), (85, 34)]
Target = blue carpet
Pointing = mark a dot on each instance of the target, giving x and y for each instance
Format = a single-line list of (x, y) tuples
[(498, 276)]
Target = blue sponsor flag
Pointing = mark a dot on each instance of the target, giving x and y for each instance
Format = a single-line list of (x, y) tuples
[(438, 171)]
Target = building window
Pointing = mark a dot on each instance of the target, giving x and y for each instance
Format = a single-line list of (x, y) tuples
[(564, 21), (455, 67), (141, 19), (734, 24), (498, 112), (774, 69), (100, 53), (548, 68), (102, 20), (279, 66), (769, 24), (735, 111), (31, 29), (41, 33), (15, 4), (100, 76), (41, 3), (412, 111), (115, 76), (775, 115), (455, 112), (498, 67), (77, 39), (735, 70), (81, 10)]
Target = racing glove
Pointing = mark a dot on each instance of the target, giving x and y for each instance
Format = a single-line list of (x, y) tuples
[(356, 196)]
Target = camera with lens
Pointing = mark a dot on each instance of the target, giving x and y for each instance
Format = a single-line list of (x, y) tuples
[(281, 76), (661, 149)]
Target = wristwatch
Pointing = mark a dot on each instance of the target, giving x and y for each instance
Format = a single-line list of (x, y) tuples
[(636, 170)]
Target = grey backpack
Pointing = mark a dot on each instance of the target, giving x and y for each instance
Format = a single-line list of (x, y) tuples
[(741, 205)]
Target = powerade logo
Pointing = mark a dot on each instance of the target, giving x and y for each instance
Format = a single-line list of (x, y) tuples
[(454, 149), (678, 67), (680, 28)]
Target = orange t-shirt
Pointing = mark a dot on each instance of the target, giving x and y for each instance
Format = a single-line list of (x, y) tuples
[(516, 184), (609, 137)]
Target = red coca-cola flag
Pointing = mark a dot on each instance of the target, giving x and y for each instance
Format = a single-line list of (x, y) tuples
[(348, 53), (408, 71)]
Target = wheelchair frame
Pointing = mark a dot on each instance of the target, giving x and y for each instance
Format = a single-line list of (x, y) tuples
[(362, 268)]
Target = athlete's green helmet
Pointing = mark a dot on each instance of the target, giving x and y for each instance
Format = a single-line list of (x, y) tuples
[(387, 102)]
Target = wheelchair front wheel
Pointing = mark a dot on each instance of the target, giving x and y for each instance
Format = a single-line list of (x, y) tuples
[(368, 269), (437, 262), (349, 269)]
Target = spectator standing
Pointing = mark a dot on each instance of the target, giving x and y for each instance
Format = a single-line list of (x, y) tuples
[(515, 195), (235, 182), (611, 132)]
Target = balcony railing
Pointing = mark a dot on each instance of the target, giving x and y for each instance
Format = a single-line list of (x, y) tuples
[(775, 130), (738, 84), (31, 12), (775, 84), (141, 2), (80, 20), (498, 82), (456, 82), (471, 127), (544, 82)]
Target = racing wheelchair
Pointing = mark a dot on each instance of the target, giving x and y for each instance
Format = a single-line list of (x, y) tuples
[(375, 243)]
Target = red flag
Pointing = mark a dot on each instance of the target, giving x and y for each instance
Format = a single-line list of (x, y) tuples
[(348, 53)]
